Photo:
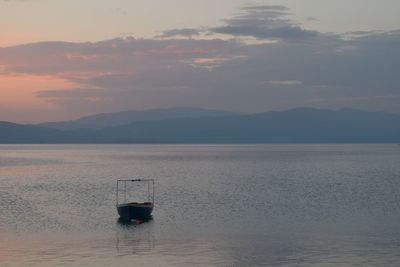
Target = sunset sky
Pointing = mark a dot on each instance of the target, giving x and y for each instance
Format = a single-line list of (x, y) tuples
[(63, 59)]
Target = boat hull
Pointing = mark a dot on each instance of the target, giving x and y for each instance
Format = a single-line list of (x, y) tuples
[(135, 211)]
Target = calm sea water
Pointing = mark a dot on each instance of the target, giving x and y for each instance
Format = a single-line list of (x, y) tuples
[(227, 205)]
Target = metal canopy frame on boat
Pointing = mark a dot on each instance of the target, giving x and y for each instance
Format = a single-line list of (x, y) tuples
[(125, 181)]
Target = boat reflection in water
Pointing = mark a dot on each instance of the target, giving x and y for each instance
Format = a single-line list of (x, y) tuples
[(135, 237), (134, 210)]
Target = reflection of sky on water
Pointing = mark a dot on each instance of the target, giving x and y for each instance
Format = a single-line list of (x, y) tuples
[(138, 245)]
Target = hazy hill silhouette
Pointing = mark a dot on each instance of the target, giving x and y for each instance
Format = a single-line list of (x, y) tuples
[(303, 125), (12, 133), (103, 120)]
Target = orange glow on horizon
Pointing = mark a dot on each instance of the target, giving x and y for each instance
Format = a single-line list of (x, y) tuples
[(19, 90)]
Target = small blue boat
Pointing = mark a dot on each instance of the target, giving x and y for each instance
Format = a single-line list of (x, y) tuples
[(129, 211)]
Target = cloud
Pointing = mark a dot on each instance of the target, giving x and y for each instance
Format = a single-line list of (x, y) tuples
[(264, 22), (188, 32), (311, 19), (285, 83), (70, 93), (119, 11), (141, 73)]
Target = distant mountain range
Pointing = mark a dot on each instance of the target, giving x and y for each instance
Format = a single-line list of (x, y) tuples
[(104, 120), (199, 126)]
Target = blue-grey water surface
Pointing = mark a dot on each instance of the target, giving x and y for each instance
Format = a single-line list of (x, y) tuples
[(216, 205)]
